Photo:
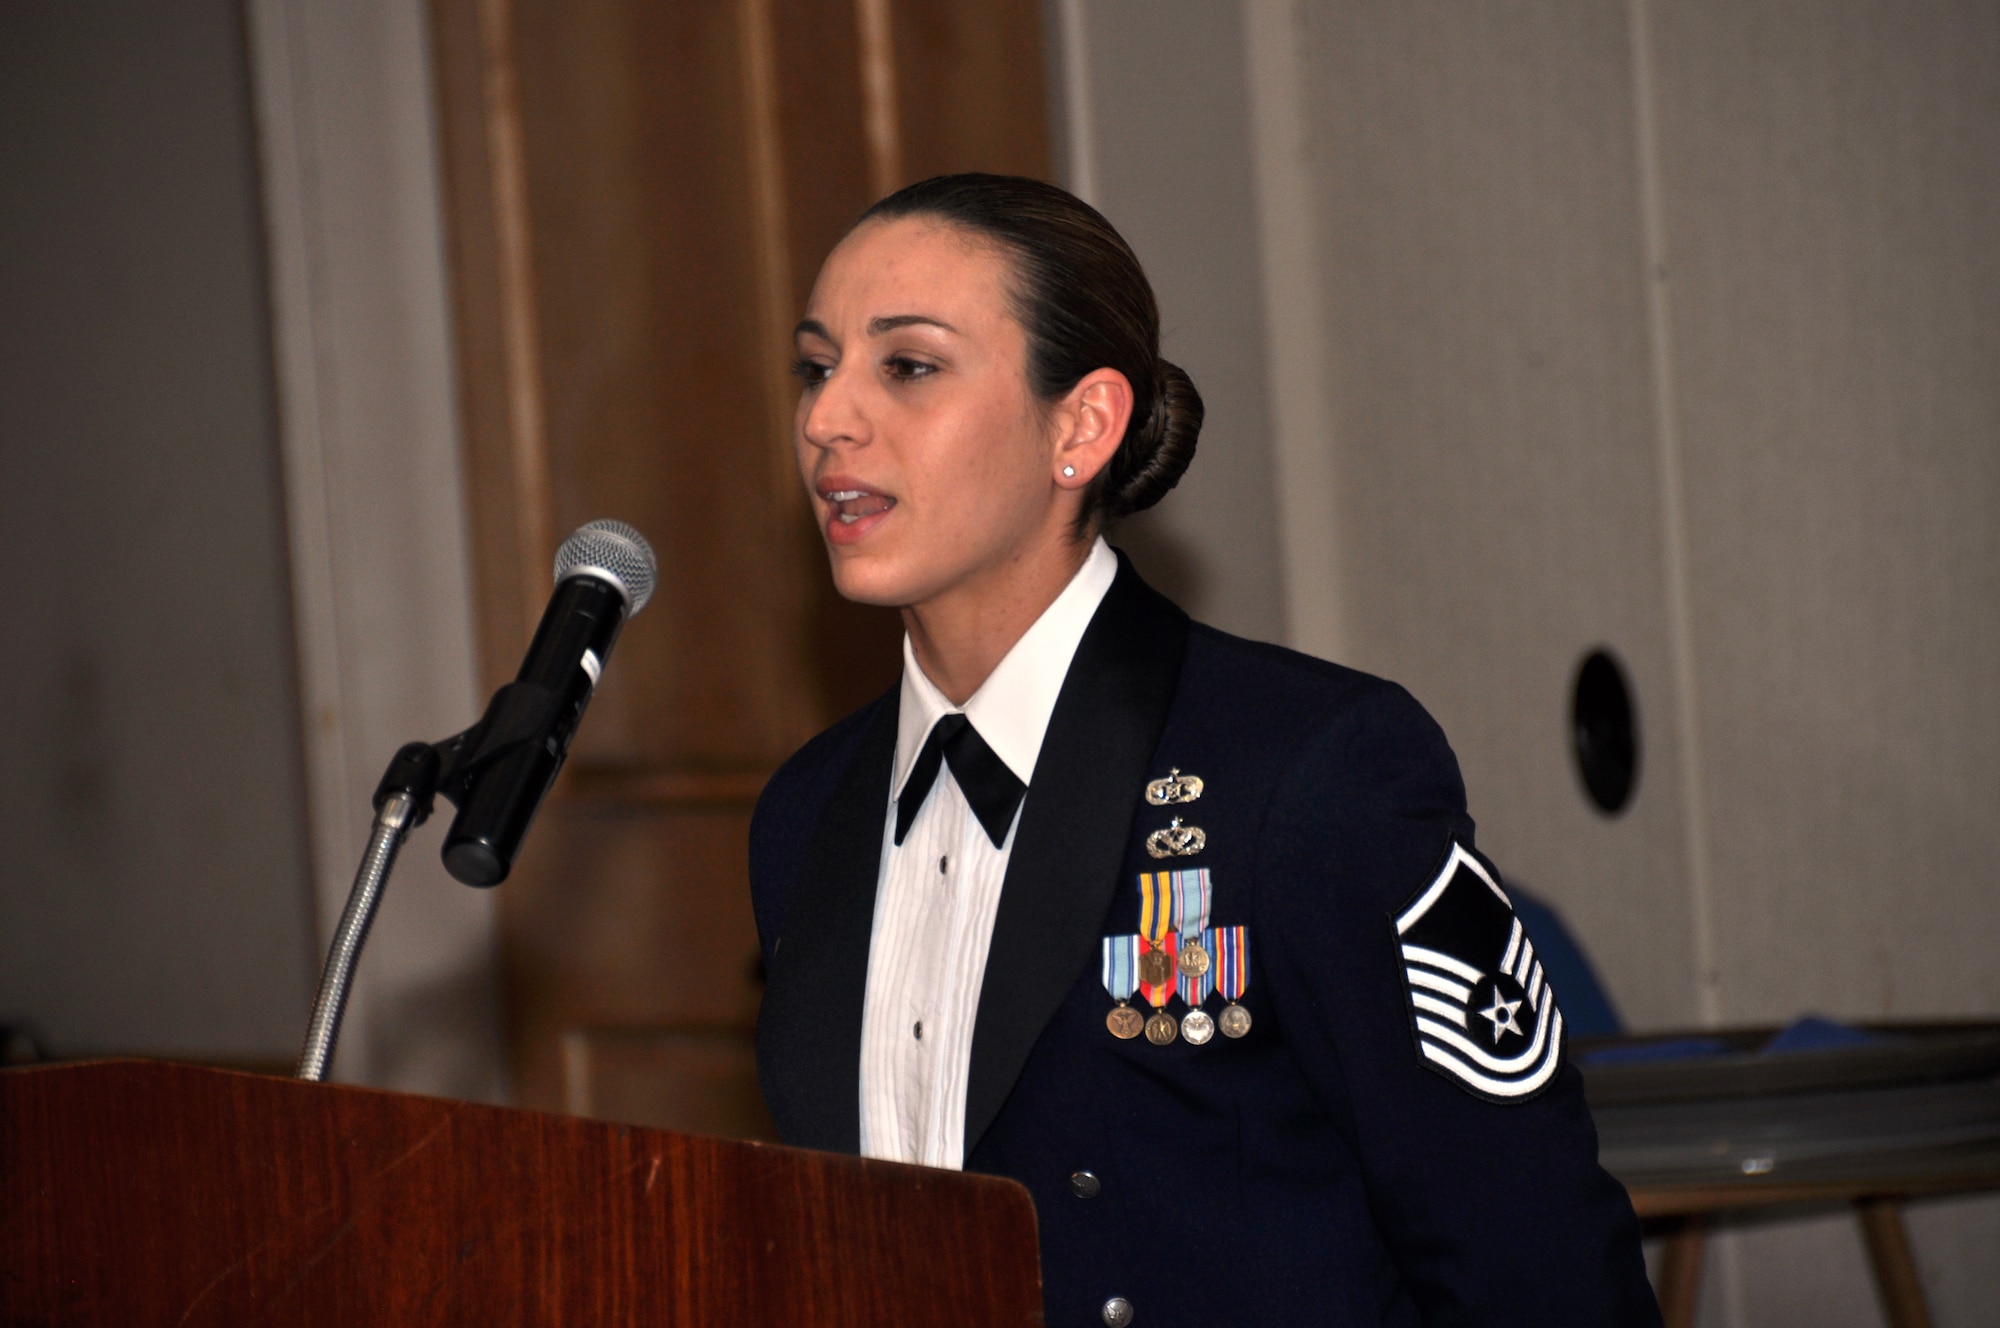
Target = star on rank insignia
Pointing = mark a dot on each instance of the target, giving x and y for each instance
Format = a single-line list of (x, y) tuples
[(1481, 1009)]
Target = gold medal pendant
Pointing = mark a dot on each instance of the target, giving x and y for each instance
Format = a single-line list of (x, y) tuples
[(1235, 1020), (1125, 1022), (1197, 1027), (1194, 959), (1156, 968), (1161, 1028)]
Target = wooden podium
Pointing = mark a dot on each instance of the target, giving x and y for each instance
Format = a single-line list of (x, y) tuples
[(138, 1193)]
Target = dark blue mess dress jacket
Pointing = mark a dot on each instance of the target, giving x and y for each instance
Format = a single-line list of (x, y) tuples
[(1355, 1158)]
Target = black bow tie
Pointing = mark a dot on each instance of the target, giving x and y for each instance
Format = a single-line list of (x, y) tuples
[(990, 788)]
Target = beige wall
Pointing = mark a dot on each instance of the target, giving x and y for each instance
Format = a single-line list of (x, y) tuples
[(1151, 136), (1669, 326), (1831, 190), (1498, 512)]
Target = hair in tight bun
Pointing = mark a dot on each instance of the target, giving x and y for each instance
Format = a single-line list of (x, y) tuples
[(1153, 458), (1086, 305)]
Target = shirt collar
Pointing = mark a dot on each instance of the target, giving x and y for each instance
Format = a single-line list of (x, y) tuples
[(1011, 709)]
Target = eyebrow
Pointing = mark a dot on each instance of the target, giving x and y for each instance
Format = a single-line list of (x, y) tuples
[(812, 327), (877, 326)]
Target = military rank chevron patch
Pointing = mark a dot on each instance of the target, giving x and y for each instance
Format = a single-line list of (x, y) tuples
[(1482, 1010)]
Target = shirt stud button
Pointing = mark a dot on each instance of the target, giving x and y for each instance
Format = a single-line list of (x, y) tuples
[(944, 864), (1084, 1184), (919, 1030), (1117, 1312)]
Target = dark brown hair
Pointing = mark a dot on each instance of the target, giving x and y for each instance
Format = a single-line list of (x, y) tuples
[(1086, 304)]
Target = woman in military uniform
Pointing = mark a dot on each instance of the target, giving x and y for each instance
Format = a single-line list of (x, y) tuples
[(1184, 932)]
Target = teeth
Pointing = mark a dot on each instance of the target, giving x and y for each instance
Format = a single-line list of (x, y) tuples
[(852, 505)]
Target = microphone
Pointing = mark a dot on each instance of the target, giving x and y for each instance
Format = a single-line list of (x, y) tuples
[(503, 766)]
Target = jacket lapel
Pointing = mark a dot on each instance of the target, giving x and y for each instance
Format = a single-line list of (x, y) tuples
[(809, 1029), (1070, 846)]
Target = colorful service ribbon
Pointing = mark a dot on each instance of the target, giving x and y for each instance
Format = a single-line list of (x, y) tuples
[(1176, 901), (1121, 966), (1230, 947)]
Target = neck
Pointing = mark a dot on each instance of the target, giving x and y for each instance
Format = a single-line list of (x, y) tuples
[(961, 636)]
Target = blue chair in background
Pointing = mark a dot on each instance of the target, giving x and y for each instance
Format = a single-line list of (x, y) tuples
[(1586, 1007)]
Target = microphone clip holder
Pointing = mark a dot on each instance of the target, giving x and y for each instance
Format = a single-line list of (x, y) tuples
[(519, 714)]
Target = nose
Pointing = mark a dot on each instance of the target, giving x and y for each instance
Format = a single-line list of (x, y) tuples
[(831, 415)]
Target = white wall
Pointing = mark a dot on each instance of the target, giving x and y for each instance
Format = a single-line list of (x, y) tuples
[(1667, 325)]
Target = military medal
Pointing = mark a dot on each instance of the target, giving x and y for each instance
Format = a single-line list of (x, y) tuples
[(1177, 841), (1156, 965), (1232, 976), (1160, 1026), (1121, 979), (1191, 895), (1156, 923), (1196, 1026), (1175, 788)]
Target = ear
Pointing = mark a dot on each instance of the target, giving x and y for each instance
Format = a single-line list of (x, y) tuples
[(1090, 420)]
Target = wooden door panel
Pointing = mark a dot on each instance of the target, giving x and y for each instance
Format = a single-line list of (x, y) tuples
[(640, 197)]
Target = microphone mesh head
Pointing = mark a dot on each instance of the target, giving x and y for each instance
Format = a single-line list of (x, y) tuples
[(614, 552)]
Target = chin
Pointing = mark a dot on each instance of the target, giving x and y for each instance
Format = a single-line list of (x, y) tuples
[(877, 581)]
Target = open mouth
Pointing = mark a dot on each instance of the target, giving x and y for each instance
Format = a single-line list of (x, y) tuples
[(852, 505)]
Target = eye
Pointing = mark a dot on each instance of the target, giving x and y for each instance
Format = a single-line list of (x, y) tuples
[(908, 370), (811, 373)]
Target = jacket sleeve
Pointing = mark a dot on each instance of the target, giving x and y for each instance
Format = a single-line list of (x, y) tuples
[(1496, 1213)]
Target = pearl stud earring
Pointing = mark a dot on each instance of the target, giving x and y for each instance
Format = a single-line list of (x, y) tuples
[(1069, 472)]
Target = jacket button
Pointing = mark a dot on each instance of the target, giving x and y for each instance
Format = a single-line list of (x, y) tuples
[(1117, 1312), (1084, 1184)]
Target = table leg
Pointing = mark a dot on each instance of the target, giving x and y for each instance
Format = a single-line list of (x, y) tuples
[(1680, 1272), (1895, 1267)]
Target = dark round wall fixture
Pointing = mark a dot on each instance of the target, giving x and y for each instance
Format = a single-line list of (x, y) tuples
[(1604, 731)]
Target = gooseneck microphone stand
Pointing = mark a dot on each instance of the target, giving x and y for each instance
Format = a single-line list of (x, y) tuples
[(523, 736), (391, 824), (516, 727), (402, 803), (498, 771)]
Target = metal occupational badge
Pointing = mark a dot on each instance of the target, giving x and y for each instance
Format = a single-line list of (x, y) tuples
[(1177, 841), (1480, 1007), (1175, 788)]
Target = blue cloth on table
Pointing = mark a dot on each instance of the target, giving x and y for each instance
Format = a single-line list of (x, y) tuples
[(1814, 1033), (1673, 1049), (1810, 1033)]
